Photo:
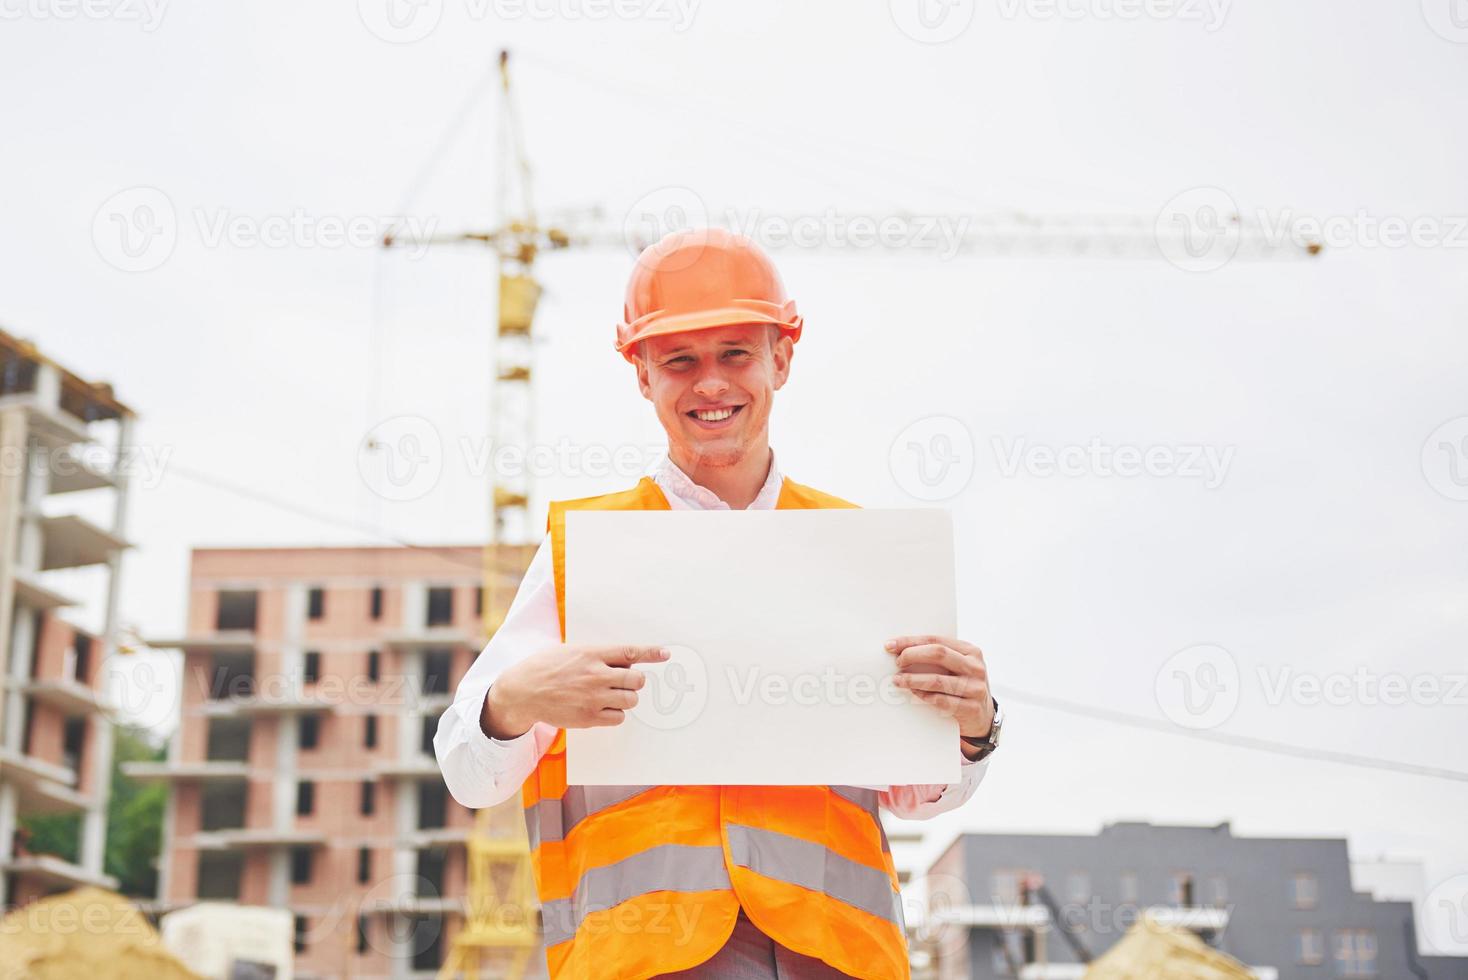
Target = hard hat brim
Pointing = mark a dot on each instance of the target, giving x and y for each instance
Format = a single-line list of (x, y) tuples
[(658, 326)]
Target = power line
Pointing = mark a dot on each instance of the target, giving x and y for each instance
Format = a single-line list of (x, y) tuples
[(1236, 741)]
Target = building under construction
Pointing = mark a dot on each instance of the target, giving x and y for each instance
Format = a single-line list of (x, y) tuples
[(302, 771), (61, 440)]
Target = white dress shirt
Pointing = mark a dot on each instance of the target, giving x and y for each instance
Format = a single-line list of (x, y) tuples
[(481, 771)]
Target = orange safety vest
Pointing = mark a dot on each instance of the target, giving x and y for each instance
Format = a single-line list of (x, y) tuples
[(637, 881)]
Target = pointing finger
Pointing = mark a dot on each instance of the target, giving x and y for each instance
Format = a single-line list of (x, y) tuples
[(626, 656)]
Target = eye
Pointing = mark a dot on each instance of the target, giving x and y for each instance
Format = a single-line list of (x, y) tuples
[(737, 352)]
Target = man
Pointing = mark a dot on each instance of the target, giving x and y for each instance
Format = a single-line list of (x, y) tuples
[(696, 881)]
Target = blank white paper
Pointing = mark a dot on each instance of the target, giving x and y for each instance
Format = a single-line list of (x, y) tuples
[(776, 620)]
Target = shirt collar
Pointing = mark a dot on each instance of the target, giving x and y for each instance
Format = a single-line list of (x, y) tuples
[(684, 494)]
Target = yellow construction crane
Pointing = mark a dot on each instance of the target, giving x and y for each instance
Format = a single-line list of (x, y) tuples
[(501, 931)]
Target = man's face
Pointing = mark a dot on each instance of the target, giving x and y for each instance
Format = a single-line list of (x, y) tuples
[(713, 389)]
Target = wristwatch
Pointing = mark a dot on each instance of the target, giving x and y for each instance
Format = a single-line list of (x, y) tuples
[(986, 746)]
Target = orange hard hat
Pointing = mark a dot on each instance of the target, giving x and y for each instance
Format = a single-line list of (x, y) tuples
[(706, 277)]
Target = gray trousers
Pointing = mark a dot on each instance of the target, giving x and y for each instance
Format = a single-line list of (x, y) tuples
[(751, 955)]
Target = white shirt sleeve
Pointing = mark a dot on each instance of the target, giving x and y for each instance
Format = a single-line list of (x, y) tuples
[(921, 801), (481, 771)]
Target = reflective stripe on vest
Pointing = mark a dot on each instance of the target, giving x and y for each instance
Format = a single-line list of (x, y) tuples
[(691, 869), (552, 820), (811, 866)]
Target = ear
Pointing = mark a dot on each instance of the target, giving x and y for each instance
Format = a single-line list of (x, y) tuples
[(643, 383), (782, 352)]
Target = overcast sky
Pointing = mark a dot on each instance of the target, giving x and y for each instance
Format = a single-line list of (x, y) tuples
[(178, 180)]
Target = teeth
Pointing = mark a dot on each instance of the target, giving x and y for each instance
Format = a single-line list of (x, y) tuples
[(715, 416)]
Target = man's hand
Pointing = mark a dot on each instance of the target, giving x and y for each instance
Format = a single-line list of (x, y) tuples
[(948, 674), (568, 687)]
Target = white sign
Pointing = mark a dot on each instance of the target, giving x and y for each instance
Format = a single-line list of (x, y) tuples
[(776, 621)]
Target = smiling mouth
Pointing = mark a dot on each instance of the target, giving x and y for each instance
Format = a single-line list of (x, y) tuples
[(715, 417)]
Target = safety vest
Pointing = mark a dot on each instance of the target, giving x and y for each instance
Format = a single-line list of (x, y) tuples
[(637, 881)]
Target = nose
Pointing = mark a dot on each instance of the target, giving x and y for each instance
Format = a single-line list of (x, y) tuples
[(710, 383)]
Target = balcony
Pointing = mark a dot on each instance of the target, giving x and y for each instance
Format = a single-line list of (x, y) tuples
[(431, 636), (414, 904), (418, 767), (162, 772), (255, 837), (53, 428), (72, 473), (72, 698), (225, 641), (438, 837), (295, 702), (1194, 918), (31, 593), (27, 770), (56, 873), (74, 542), (1013, 916), (44, 797)]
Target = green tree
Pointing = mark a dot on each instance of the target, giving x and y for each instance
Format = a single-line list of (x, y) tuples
[(134, 821)]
